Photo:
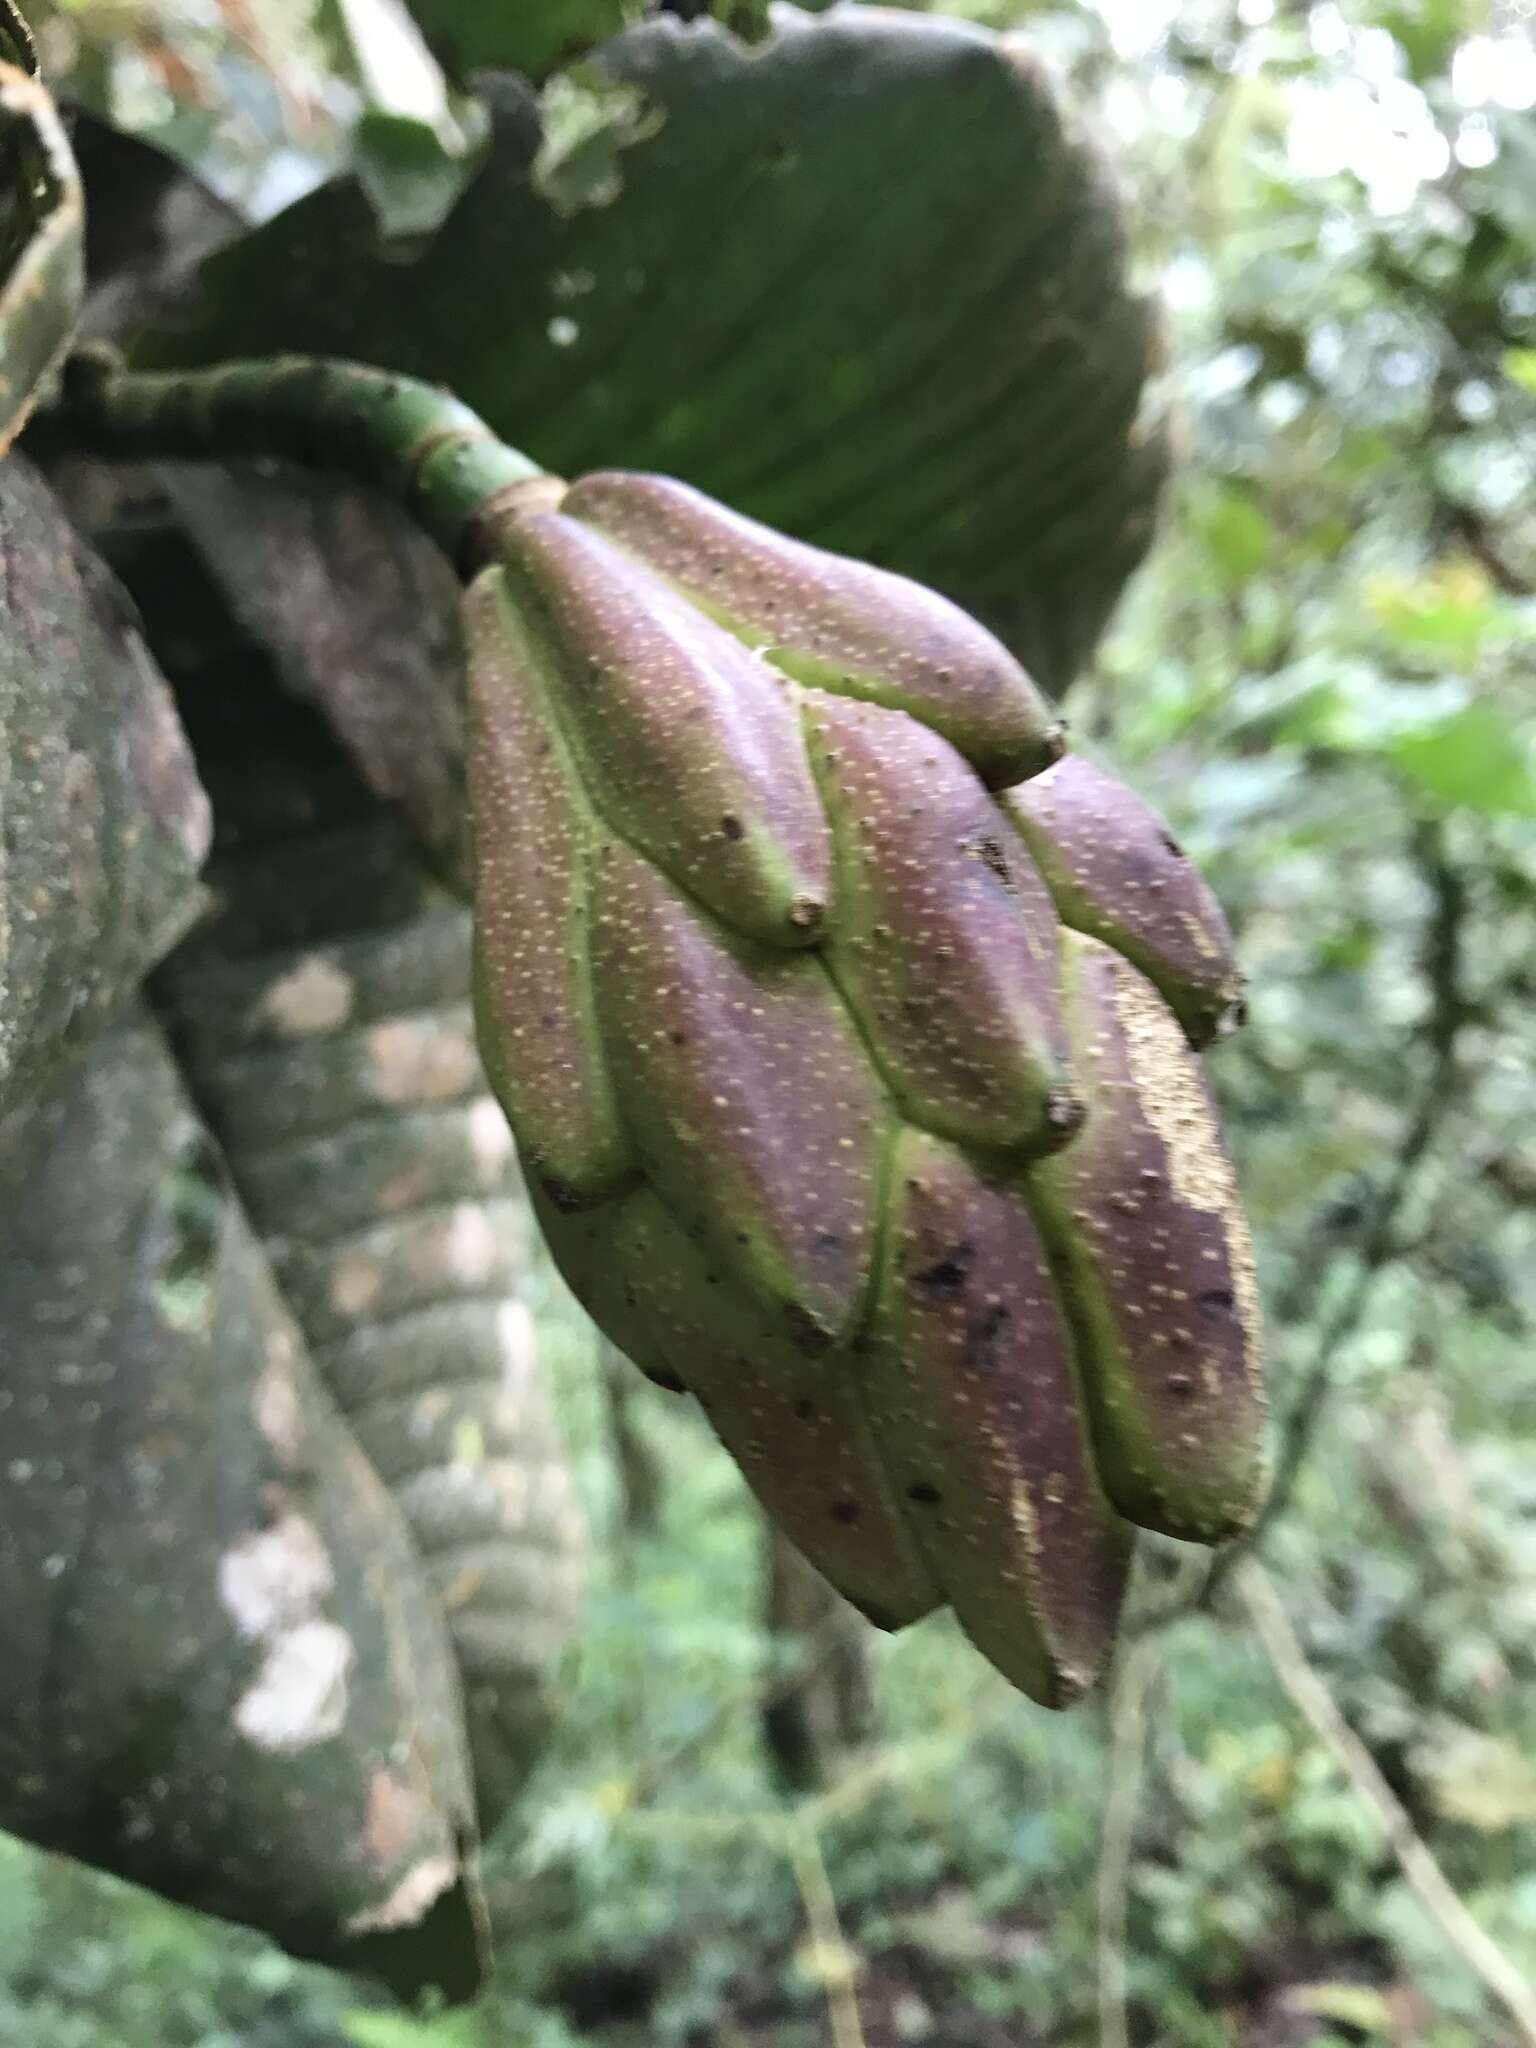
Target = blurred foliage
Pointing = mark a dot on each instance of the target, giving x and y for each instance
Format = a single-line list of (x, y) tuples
[(1325, 677)]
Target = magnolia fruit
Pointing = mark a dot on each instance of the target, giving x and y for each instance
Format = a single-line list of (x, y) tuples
[(845, 1025)]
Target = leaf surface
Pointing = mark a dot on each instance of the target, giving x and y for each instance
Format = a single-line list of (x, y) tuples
[(865, 282)]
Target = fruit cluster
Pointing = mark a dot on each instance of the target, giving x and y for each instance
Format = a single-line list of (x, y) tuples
[(847, 1026)]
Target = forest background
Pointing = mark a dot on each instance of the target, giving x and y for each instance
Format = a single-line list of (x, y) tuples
[(1326, 677)]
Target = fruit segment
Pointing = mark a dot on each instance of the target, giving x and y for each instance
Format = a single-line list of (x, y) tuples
[(752, 1101), (945, 941), (1153, 1259), (972, 1387), (855, 1096), (833, 622), (687, 741), (1117, 873), (794, 1424), (535, 1014)]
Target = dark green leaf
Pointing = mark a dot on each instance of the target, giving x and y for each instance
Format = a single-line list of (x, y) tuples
[(106, 824), (228, 1680), (1428, 31), (1510, 180), (1474, 760), (322, 1010), (526, 35), (412, 152), (1238, 536), (409, 174), (359, 613), (862, 282), (335, 1058)]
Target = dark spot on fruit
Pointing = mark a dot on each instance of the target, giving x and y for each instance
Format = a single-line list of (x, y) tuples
[(980, 1353), (846, 1511), (732, 827), (805, 1332), (1171, 845), (805, 1411), (562, 1195), (1217, 1303), (947, 1275), (925, 1495), (678, 1037), (1182, 1384), (989, 852), (828, 1241)]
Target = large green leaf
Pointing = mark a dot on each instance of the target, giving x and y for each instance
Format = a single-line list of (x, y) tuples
[(1474, 760), (226, 1677), (41, 229), (327, 1032), (528, 35), (864, 282), (105, 821), (322, 1014), (359, 614)]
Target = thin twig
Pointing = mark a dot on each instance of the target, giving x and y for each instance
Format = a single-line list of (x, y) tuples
[(1429, 1884), (865, 1779), (1134, 1680), (836, 1961), (1443, 971)]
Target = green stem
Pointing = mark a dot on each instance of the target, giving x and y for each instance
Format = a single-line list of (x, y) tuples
[(408, 439)]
